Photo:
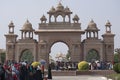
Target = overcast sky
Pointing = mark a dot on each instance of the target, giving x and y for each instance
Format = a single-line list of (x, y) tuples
[(99, 10)]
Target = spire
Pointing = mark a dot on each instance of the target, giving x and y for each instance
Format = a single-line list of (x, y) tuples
[(27, 21), (60, 1), (11, 27), (108, 27)]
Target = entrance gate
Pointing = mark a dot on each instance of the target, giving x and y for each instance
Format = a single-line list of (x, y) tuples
[(60, 31), (59, 28)]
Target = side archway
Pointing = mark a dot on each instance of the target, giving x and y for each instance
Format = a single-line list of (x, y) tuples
[(92, 55), (26, 55)]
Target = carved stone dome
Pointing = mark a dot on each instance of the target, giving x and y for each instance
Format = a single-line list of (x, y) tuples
[(27, 26), (108, 24), (67, 9), (52, 9), (75, 18), (92, 26), (60, 7), (43, 18)]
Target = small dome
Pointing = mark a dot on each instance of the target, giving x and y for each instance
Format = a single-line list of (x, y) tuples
[(27, 26), (92, 26), (11, 24), (67, 9), (60, 7), (76, 18), (52, 9), (43, 18), (108, 24)]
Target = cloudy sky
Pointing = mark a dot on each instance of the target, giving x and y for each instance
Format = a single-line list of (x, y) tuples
[(20, 10)]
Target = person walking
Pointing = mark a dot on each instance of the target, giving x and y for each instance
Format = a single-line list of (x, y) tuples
[(2, 72)]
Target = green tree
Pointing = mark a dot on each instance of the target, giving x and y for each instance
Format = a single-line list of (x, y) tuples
[(116, 67), (116, 58), (68, 55), (27, 56), (117, 50), (3, 56), (92, 55), (83, 65)]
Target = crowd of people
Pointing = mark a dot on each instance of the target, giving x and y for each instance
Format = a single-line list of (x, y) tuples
[(94, 65), (100, 65), (12, 70)]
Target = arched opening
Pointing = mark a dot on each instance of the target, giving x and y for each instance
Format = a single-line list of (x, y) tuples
[(92, 55), (11, 29), (26, 55), (52, 18), (92, 34), (27, 34), (66, 18), (59, 54), (59, 18), (59, 50)]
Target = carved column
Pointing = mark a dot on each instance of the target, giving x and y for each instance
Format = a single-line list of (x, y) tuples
[(76, 53)]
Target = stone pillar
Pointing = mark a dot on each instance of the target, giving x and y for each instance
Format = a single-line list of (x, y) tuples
[(76, 53), (10, 53), (43, 53)]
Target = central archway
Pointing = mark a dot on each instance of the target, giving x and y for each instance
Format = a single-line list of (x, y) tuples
[(59, 52)]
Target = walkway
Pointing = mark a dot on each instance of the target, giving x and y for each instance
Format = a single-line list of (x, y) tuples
[(82, 77)]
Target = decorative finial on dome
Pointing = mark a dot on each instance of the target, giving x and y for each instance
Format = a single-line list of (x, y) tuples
[(27, 21), (60, 7), (11, 21), (92, 21), (60, 1)]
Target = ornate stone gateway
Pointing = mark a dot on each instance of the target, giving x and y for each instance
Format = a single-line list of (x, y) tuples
[(59, 28)]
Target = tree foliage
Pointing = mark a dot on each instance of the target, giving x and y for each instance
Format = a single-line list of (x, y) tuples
[(116, 58), (27, 56), (92, 55), (3, 56), (116, 67), (68, 55), (83, 65)]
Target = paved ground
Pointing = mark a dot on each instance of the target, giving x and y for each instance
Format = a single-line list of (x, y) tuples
[(82, 77)]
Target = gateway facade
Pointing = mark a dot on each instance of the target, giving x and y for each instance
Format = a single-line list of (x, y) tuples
[(62, 30)]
